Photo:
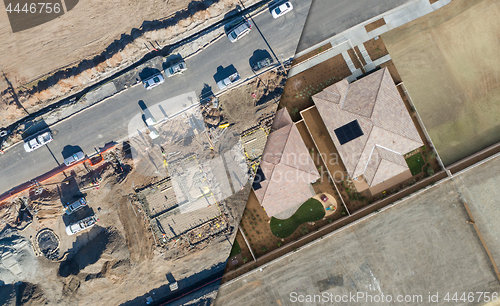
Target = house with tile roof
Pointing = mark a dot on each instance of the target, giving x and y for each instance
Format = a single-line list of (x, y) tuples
[(283, 181), (370, 126)]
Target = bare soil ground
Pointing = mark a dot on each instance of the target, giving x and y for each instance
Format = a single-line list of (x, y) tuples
[(447, 60), (375, 48), (115, 261), (299, 88), (374, 25), (311, 54), (255, 101), (90, 42)]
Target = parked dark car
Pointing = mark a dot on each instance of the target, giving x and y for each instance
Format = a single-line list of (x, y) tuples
[(262, 64)]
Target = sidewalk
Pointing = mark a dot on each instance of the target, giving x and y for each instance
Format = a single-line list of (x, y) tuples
[(357, 35)]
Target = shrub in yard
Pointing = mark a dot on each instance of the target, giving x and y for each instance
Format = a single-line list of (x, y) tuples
[(432, 154), (430, 171), (304, 230), (264, 249), (279, 243), (245, 260)]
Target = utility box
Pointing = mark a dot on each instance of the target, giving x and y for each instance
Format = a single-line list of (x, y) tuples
[(173, 286)]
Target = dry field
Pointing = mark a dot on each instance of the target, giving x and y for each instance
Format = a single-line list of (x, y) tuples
[(448, 61)]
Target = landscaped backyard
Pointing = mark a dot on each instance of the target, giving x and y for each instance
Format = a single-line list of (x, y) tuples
[(236, 249), (311, 210), (415, 163)]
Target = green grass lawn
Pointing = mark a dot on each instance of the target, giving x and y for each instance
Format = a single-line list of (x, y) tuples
[(311, 210), (236, 249), (415, 163)]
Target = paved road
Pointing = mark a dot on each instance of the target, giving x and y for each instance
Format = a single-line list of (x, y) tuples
[(328, 18), (108, 121)]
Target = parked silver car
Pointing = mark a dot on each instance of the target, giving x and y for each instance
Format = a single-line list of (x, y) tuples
[(178, 68), (75, 206), (78, 156), (37, 142), (153, 81), (239, 31), (228, 81)]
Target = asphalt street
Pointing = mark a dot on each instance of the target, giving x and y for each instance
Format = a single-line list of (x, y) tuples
[(108, 121), (328, 18)]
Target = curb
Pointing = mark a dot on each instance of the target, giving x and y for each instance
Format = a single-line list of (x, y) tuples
[(12, 192)]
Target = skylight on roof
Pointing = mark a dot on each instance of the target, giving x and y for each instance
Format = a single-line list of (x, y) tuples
[(348, 132)]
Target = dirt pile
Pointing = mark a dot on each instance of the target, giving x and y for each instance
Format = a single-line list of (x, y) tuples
[(30, 294), (8, 215), (17, 261)]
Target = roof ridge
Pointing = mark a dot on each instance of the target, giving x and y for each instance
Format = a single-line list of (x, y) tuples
[(286, 141), (345, 96), (379, 167), (269, 183), (369, 157), (377, 145), (327, 101), (376, 168), (301, 170), (363, 149), (334, 93), (378, 90), (281, 157)]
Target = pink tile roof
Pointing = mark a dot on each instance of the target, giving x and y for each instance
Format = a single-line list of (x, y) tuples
[(287, 167), (281, 119), (375, 103)]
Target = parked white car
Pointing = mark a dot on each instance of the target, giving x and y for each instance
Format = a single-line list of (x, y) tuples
[(78, 156), (239, 31), (228, 81), (153, 81), (178, 68), (81, 225), (37, 142), (282, 9)]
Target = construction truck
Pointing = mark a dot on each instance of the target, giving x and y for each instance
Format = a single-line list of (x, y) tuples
[(81, 225), (38, 141)]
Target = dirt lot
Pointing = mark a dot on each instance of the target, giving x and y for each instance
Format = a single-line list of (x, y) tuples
[(448, 62), (92, 41), (255, 101)]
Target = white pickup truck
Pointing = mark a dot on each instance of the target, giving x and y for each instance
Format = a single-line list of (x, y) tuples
[(37, 142), (81, 225)]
